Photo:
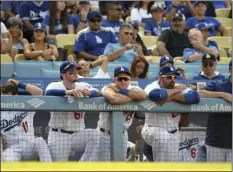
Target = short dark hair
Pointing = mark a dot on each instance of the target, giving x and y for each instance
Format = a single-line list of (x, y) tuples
[(126, 25), (9, 87), (14, 21)]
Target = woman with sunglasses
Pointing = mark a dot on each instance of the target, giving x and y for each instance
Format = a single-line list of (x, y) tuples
[(58, 21), (119, 92), (209, 63), (139, 68), (40, 50)]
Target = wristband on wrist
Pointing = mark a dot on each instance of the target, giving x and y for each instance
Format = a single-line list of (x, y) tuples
[(124, 91), (93, 93), (173, 6), (21, 86)]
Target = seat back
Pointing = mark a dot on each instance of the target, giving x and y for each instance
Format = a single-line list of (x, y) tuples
[(47, 73), (6, 58), (223, 42), (226, 22), (149, 41), (65, 39), (223, 12), (19, 57), (7, 69)]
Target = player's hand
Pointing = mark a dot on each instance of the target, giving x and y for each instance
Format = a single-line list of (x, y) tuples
[(114, 87), (85, 92), (160, 103), (14, 81), (75, 93), (227, 97), (180, 88)]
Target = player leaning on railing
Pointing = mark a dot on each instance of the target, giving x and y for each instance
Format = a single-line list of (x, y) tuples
[(17, 132)]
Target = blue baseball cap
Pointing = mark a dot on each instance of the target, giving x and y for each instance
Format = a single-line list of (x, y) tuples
[(92, 14), (68, 66), (39, 26), (230, 65), (196, 2), (179, 16), (203, 26), (121, 69), (165, 59), (168, 70)]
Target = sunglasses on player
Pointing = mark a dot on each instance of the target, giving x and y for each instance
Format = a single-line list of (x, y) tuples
[(206, 64), (120, 79), (169, 77), (94, 21)]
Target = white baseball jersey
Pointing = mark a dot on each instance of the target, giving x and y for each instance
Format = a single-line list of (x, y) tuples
[(101, 74), (104, 121), (70, 121), (17, 126), (189, 141), (168, 121)]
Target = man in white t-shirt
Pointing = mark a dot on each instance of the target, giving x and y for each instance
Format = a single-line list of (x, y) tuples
[(3, 31), (85, 68), (161, 129), (118, 93)]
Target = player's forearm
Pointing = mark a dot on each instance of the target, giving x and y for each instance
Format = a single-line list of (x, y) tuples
[(209, 94), (55, 92), (87, 56), (33, 90), (118, 99), (136, 94), (191, 97), (192, 9)]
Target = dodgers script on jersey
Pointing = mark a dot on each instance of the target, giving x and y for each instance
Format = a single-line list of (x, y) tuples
[(189, 141), (71, 121), (168, 121), (17, 126), (104, 121)]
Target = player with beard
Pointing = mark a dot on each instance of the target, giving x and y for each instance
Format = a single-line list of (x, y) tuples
[(161, 129)]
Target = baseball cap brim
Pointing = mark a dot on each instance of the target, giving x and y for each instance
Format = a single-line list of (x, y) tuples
[(39, 28), (199, 2), (122, 72)]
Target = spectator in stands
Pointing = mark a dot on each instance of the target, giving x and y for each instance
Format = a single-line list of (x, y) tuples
[(91, 42), (113, 17), (209, 63), (40, 50), (205, 30), (139, 68), (15, 27), (80, 19), (126, 7), (194, 54), (85, 68), (221, 4), (138, 40), (72, 7), (219, 128), (173, 41), (124, 51), (3, 31), (156, 25), (185, 7), (141, 12), (32, 12), (58, 21), (11, 8), (168, 61), (201, 7)]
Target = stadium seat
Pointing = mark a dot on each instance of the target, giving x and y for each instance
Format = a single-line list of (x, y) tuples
[(57, 64), (31, 68), (69, 49), (7, 69), (46, 73), (65, 39), (223, 42), (6, 58), (224, 60), (230, 52), (95, 9), (127, 20), (19, 57), (226, 22), (229, 30), (223, 12), (149, 41), (222, 52)]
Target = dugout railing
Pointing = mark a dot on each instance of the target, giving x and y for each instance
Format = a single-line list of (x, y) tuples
[(50, 103)]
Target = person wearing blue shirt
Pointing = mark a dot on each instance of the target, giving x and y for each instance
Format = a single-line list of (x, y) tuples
[(125, 50), (32, 12), (58, 21), (80, 20), (219, 128), (184, 7), (156, 25), (201, 7), (209, 63), (91, 42), (221, 4), (205, 30), (168, 61), (113, 17), (194, 55), (11, 8)]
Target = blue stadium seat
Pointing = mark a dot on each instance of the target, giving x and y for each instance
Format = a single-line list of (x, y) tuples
[(7, 69), (56, 65), (30, 68), (47, 73)]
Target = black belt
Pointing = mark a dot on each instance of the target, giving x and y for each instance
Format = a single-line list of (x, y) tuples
[(62, 131), (172, 132), (105, 131)]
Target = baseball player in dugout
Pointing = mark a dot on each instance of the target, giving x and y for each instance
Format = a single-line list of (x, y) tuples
[(219, 128), (161, 129), (67, 129), (17, 131), (118, 93)]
